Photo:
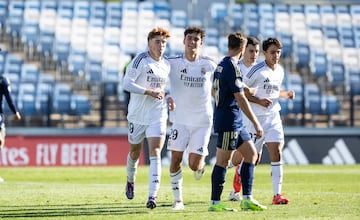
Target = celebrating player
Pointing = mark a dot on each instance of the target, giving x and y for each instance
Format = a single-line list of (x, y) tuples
[(267, 76), (146, 78), (190, 82)]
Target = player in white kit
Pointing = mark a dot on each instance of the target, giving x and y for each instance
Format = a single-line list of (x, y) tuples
[(267, 77), (145, 79), (245, 64), (190, 89)]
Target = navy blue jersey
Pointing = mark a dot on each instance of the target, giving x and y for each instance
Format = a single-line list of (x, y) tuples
[(5, 91), (227, 81)]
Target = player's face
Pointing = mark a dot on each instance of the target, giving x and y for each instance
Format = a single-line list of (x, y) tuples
[(251, 53), (272, 55), (192, 41), (157, 46)]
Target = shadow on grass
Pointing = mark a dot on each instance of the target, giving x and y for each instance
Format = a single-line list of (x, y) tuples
[(70, 210)]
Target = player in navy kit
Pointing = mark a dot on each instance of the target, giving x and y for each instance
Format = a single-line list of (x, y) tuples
[(230, 100), (5, 91)]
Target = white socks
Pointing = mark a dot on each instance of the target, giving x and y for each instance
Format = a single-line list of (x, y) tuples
[(154, 176), (176, 180), (276, 176), (131, 167)]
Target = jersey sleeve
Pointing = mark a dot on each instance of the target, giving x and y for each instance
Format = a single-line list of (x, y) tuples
[(133, 71), (233, 77), (7, 93)]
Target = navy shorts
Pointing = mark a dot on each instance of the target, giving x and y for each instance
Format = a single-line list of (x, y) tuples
[(231, 140)]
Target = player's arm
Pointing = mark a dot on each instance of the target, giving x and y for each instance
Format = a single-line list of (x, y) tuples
[(246, 109), (287, 94)]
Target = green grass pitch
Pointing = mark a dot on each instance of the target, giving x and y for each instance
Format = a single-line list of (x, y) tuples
[(315, 192)]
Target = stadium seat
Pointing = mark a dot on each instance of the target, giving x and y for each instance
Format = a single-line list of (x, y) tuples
[(318, 63), (178, 19), (218, 11), (13, 64), (162, 10), (29, 73), (284, 103), (301, 54), (80, 104), (235, 12), (336, 74), (62, 104), (14, 22), (26, 104)]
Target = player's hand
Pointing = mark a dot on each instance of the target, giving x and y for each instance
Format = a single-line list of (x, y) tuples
[(17, 116), (259, 130), (156, 93), (171, 104), (291, 94), (265, 102)]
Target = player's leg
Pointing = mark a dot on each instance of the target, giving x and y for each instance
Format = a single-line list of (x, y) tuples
[(155, 137), (274, 138), (198, 149), (235, 192), (247, 149), (135, 138), (226, 143), (2, 135), (178, 141)]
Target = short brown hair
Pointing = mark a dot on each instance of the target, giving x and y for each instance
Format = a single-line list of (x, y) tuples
[(158, 32), (196, 30), (236, 40), (271, 41)]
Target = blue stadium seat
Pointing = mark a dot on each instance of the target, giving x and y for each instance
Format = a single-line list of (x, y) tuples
[(301, 54), (287, 42), (336, 73), (76, 62), (43, 104), (162, 10), (179, 18), (80, 104), (3, 15), (236, 15), (284, 103), (26, 104), (332, 105), (81, 9), (218, 11), (29, 73), (61, 104), (13, 64), (14, 21), (318, 63), (98, 9)]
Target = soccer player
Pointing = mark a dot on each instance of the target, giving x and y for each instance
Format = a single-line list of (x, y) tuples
[(145, 79), (249, 60), (190, 89), (267, 76), (5, 90), (230, 102)]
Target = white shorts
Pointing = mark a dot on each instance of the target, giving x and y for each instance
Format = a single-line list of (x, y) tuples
[(195, 139), (137, 132), (273, 130)]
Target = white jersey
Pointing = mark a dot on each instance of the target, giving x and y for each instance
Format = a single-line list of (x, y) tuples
[(145, 73), (190, 88), (268, 83), (244, 69)]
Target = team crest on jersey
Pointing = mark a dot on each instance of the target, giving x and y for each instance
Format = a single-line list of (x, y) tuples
[(203, 70), (219, 69)]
